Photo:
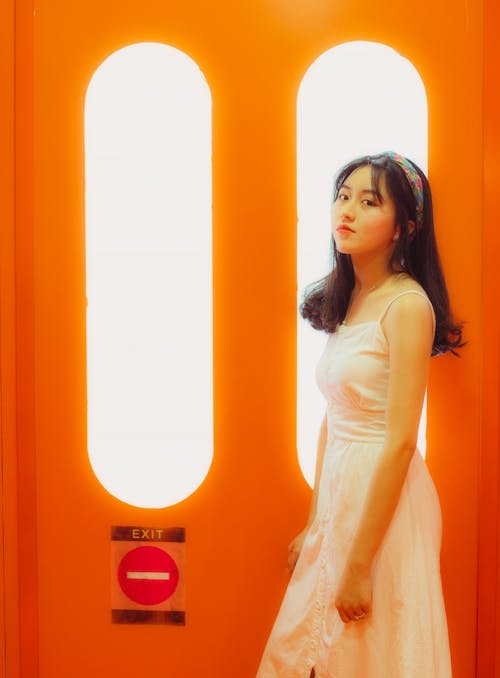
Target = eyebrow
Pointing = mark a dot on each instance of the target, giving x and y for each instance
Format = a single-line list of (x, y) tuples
[(366, 190), (376, 194)]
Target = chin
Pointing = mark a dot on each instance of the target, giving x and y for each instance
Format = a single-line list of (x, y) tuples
[(343, 247)]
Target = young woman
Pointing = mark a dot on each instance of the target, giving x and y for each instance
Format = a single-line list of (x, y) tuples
[(365, 597)]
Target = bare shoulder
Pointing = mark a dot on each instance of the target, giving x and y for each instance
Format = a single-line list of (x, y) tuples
[(408, 315), (406, 306), (407, 283)]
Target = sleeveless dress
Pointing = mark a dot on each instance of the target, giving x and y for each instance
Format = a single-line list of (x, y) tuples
[(406, 634)]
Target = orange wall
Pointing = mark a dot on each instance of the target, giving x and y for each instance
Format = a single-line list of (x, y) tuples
[(254, 499), (488, 575), (8, 463)]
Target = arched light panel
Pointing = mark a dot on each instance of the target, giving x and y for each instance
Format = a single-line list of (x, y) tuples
[(355, 99), (149, 275)]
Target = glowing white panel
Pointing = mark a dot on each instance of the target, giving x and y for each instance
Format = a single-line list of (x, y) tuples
[(358, 98), (149, 275)]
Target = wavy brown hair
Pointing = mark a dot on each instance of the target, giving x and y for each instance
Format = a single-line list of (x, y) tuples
[(325, 301)]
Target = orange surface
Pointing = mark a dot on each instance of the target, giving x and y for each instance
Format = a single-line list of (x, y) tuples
[(488, 633), (9, 647), (254, 499)]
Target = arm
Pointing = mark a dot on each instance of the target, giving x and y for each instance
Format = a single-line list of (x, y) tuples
[(409, 332), (319, 465)]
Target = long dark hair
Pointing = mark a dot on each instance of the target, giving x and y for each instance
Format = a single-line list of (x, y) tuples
[(325, 301)]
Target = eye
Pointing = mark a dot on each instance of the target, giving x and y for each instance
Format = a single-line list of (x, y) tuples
[(370, 203), (341, 196)]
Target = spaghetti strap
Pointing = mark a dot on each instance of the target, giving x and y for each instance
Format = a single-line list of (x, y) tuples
[(386, 307)]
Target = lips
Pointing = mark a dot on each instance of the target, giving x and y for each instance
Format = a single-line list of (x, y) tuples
[(343, 227)]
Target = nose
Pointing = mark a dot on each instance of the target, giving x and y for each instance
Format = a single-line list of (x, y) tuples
[(346, 210)]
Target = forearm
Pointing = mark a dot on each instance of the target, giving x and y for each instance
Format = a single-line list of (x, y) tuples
[(380, 505), (319, 465)]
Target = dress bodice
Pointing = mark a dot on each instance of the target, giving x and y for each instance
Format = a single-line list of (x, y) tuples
[(353, 375)]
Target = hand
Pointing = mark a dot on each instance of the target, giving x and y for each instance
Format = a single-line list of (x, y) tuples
[(354, 595), (294, 549)]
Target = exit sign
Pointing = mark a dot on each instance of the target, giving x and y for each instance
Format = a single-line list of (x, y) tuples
[(147, 575)]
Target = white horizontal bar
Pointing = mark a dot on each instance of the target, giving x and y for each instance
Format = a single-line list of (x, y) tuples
[(148, 575)]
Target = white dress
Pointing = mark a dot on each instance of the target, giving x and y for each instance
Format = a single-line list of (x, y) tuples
[(406, 633)]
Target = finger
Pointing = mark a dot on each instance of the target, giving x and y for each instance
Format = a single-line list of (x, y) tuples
[(342, 614), (356, 614), (349, 612)]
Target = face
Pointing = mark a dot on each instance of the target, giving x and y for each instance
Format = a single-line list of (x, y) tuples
[(371, 219)]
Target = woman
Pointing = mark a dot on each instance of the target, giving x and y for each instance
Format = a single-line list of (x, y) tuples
[(365, 597)]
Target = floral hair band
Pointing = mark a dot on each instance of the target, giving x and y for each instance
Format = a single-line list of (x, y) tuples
[(415, 182)]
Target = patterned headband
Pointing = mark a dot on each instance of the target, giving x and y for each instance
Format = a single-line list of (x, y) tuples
[(415, 182)]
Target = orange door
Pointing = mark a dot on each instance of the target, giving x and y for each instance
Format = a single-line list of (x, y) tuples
[(254, 499)]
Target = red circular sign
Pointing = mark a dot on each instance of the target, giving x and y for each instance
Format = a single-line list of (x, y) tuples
[(148, 575)]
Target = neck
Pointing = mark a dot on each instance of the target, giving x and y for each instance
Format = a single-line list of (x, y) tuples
[(370, 274)]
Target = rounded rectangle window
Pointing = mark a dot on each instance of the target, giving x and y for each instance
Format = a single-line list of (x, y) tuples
[(149, 275), (356, 99)]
